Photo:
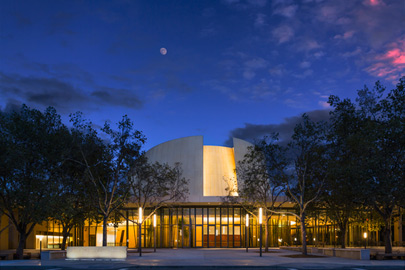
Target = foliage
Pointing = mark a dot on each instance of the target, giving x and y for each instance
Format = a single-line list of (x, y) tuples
[(108, 163), (307, 172), (154, 185), (376, 147), (260, 180), (29, 157)]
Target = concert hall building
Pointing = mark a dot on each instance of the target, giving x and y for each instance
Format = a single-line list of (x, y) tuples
[(203, 220)]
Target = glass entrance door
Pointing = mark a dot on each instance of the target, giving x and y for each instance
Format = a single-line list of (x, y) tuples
[(211, 236), (198, 236)]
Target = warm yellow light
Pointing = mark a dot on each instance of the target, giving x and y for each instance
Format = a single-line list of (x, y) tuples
[(40, 237), (280, 240), (314, 239), (154, 220), (365, 235), (295, 239), (293, 222), (260, 215), (140, 215), (247, 220)]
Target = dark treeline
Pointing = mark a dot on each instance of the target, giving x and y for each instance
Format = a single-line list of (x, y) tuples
[(353, 162), (50, 171)]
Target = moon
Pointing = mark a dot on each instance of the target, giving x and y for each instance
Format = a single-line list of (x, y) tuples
[(163, 51)]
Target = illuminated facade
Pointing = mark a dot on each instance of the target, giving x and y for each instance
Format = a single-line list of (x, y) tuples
[(204, 221)]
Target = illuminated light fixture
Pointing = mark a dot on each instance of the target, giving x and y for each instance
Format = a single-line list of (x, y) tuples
[(247, 220), (280, 240), (365, 240), (314, 239), (140, 215), (260, 215), (154, 220), (295, 238), (293, 222)]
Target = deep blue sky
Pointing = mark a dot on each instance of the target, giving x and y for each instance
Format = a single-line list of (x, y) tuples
[(233, 67)]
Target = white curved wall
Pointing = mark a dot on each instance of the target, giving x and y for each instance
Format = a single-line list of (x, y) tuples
[(189, 152), (207, 167)]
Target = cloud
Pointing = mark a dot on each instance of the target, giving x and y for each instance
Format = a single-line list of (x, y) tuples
[(373, 2), (256, 63), (252, 65), (117, 97), (63, 95), (357, 51), (283, 33), (306, 73), (260, 20), (346, 35), (389, 64), (286, 11), (305, 64), (252, 132)]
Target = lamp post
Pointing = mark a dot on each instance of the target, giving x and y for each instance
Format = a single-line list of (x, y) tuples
[(154, 232), (40, 246), (140, 230), (260, 222), (247, 232), (365, 240)]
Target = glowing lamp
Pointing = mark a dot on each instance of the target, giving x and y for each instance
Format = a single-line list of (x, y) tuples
[(154, 220), (140, 215), (247, 220), (365, 235), (260, 215)]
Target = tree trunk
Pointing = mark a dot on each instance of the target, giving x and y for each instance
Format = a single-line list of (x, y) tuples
[(105, 219), (387, 236), (21, 245), (65, 234), (343, 229), (303, 235)]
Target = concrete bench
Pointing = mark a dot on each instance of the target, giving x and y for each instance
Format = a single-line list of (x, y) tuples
[(53, 255), (353, 253), (111, 253)]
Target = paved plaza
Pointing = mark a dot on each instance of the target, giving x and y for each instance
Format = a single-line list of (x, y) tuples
[(198, 259)]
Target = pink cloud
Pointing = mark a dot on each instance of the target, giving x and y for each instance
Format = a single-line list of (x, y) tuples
[(391, 63), (323, 104), (373, 2)]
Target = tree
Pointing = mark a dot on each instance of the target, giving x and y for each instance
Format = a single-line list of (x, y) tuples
[(308, 171), (28, 158), (154, 185), (260, 180), (341, 195), (109, 163), (380, 136), (72, 205)]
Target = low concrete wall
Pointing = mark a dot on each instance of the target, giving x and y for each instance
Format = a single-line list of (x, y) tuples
[(351, 253), (96, 253), (53, 255)]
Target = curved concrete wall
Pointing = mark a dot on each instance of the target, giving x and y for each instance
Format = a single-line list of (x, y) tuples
[(210, 169), (189, 152)]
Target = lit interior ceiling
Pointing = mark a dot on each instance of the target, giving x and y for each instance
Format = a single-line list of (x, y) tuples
[(219, 170)]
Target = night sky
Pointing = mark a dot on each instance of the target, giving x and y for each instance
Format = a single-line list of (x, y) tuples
[(233, 68)]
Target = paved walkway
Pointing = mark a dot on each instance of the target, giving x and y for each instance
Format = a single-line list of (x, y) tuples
[(211, 258)]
